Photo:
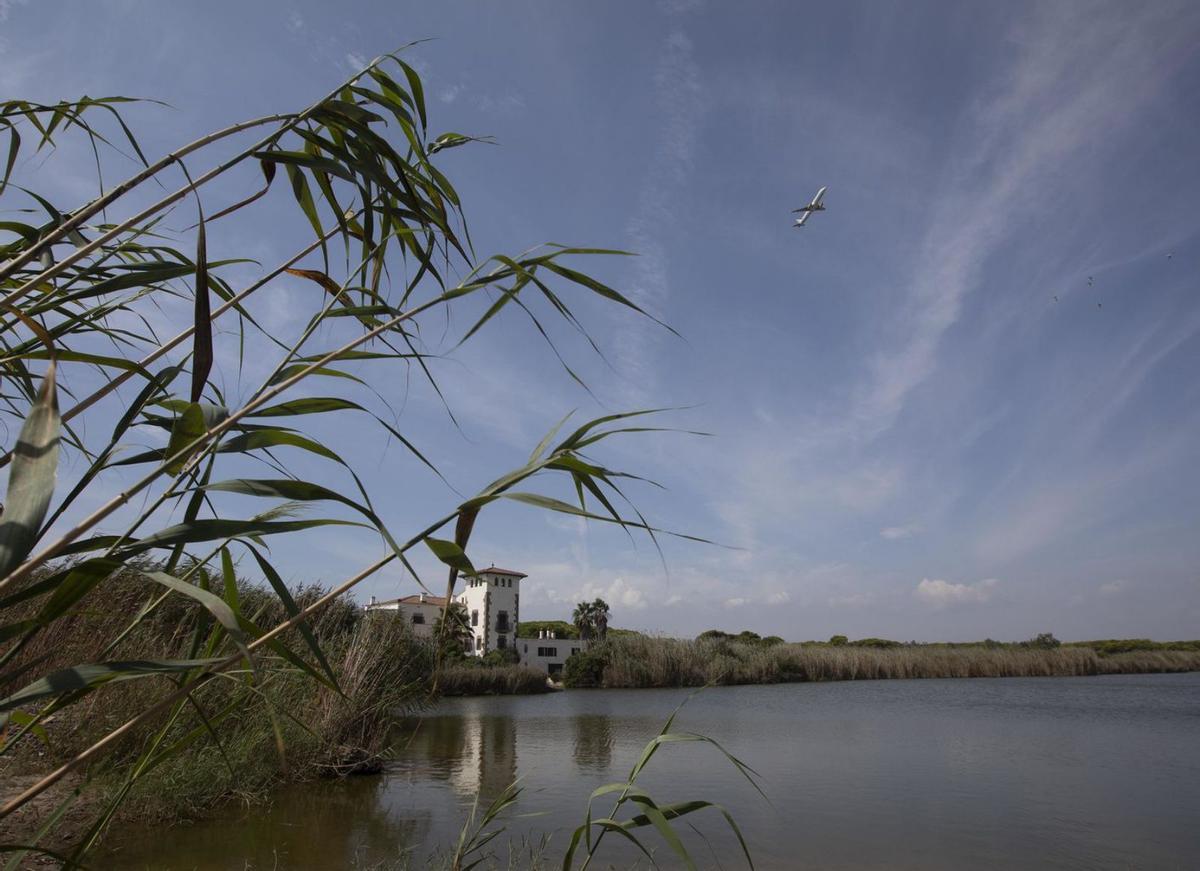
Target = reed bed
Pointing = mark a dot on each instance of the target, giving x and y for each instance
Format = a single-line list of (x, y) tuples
[(668, 662), (381, 671), (475, 680)]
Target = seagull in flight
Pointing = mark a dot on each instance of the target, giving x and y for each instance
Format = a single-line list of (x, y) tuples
[(814, 206)]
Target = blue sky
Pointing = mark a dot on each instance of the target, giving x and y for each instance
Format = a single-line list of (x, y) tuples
[(926, 423)]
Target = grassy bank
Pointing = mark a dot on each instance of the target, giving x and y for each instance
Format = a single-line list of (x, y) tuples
[(667, 662)]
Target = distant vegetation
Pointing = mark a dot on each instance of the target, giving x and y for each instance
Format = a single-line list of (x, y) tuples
[(720, 658)]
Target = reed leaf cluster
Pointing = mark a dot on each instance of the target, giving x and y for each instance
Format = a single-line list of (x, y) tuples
[(88, 368)]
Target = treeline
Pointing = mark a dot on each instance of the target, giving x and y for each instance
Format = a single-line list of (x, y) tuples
[(1043, 641), (724, 659)]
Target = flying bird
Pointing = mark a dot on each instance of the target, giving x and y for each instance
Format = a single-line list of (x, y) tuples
[(1089, 281), (814, 206)]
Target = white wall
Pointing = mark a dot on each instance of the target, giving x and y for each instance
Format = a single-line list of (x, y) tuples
[(542, 653), (488, 597)]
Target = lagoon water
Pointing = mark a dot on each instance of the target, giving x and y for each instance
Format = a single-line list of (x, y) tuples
[(1088, 773)]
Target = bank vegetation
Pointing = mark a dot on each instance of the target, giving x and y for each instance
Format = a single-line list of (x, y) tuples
[(717, 658)]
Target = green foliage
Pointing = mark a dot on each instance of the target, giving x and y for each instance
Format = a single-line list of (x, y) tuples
[(494, 658), (839, 640), (875, 642), (586, 668), (560, 628), (1044, 641), (591, 619)]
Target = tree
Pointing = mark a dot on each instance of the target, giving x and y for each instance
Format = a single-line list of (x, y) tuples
[(839, 640), (584, 619), (600, 618)]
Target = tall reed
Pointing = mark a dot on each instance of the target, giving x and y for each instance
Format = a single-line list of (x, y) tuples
[(643, 661)]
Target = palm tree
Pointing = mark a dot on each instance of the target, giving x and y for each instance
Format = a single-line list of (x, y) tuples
[(584, 619), (452, 628), (600, 618)]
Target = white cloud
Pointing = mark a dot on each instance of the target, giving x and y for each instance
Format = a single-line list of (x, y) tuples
[(896, 533), (779, 597), (355, 61), (449, 93), (619, 593), (942, 594), (735, 602), (1112, 588)]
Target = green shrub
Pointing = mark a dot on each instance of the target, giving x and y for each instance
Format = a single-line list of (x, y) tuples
[(585, 668), (839, 640), (505, 657)]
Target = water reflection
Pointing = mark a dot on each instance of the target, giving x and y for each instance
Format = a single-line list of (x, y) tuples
[(476, 753), (593, 741), (936, 775)]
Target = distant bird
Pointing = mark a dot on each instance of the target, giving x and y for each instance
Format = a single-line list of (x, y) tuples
[(1056, 298), (1099, 305), (814, 206), (1089, 281), (1169, 256)]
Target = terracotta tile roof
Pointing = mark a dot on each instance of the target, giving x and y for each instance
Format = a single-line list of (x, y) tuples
[(494, 570), (440, 601)]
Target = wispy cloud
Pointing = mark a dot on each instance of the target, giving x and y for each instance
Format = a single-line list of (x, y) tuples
[(896, 533), (678, 96)]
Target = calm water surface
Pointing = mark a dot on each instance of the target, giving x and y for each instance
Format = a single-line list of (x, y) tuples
[(1085, 773)]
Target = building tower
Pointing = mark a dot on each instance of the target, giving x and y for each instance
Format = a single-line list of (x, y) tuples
[(493, 601)]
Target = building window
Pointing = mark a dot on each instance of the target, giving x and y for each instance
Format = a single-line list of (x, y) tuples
[(574, 650), (502, 621), (550, 652), (418, 618), (501, 642), (474, 618), (526, 648)]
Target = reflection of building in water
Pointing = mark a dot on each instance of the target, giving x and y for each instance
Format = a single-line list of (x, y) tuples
[(487, 761), (593, 741)]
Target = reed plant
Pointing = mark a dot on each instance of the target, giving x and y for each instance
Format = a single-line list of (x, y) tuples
[(474, 680), (381, 261)]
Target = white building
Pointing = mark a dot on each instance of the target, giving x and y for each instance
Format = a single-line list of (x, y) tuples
[(492, 599), (421, 611), (547, 653), (493, 602)]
